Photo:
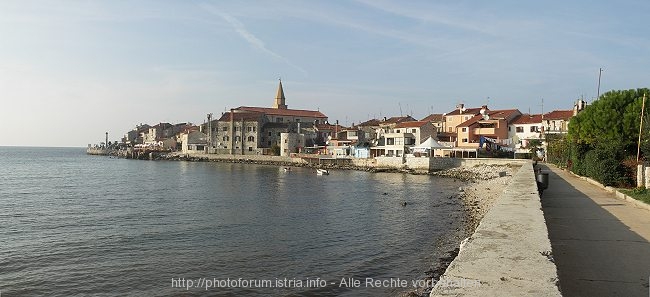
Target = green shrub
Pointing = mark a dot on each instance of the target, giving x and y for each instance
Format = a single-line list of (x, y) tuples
[(603, 166)]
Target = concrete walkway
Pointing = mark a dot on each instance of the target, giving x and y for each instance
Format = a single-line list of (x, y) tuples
[(601, 245)]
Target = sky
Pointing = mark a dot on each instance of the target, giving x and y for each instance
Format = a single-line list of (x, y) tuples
[(72, 70)]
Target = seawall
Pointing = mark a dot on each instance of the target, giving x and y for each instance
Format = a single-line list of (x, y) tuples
[(409, 164), (510, 253)]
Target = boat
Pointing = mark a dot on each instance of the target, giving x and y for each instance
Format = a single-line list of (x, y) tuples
[(322, 172), (286, 169)]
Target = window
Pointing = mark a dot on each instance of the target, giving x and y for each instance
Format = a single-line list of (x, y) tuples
[(464, 140), (237, 138), (397, 131), (279, 120), (225, 129), (250, 148), (237, 129), (464, 129), (286, 140), (251, 138), (390, 141), (278, 134), (269, 133), (254, 128), (519, 129), (450, 129), (226, 138), (409, 141), (413, 131), (399, 141), (534, 129), (249, 129)]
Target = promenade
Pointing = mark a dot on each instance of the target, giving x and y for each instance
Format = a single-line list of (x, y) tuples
[(601, 245)]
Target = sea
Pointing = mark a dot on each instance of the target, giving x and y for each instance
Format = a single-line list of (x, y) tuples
[(72, 224)]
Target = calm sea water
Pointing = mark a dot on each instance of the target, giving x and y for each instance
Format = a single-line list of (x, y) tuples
[(79, 225)]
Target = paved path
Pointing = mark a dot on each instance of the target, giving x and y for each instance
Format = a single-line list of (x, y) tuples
[(601, 245)]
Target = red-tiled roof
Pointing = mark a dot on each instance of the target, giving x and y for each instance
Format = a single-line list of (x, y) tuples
[(328, 127), (436, 117), (285, 112), (502, 114), (395, 120), (470, 111), (494, 115), (559, 115), (528, 119), (412, 124), (368, 123), (238, 116)]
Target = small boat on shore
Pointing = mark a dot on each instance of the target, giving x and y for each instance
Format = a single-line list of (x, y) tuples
[(286, 169), (322, 172)]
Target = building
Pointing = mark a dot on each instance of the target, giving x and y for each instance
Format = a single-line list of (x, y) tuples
[(399, 140), (557, 121), (489, 125), (247, 130), (525, 129), (437, 120), (451, 120), (193, 142)]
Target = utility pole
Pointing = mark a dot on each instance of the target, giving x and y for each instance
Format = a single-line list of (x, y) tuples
[(209, 132), (600, 72), (638, 147)]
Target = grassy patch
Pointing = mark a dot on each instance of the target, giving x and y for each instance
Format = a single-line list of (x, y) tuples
[(640, 194)]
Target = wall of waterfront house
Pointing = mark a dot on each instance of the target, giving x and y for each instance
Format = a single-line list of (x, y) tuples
[(390, 162)]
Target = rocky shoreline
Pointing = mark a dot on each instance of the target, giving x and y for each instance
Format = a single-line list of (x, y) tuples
[(481, 186)]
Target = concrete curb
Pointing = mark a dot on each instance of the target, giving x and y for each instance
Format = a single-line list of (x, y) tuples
[(510, 253), (618, 194)]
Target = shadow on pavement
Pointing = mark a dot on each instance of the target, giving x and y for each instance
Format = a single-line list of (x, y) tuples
[(595, 253)]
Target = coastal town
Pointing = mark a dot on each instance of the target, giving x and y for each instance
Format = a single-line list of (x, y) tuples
[(464, 131)]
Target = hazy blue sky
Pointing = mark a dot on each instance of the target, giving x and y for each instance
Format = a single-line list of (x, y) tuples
[(72, 70)]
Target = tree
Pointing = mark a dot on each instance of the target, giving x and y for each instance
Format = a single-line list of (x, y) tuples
[(612, 119), (275, 150)]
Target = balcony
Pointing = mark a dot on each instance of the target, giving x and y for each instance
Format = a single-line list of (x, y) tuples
[(484, 131)]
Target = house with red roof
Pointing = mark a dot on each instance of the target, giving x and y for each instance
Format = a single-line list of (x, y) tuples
[(249, 130), (557, 121), (490, 124), (437, 119), (525, 128), (449, 134)]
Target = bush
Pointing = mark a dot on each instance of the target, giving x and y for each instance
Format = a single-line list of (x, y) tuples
[(602, 165)]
